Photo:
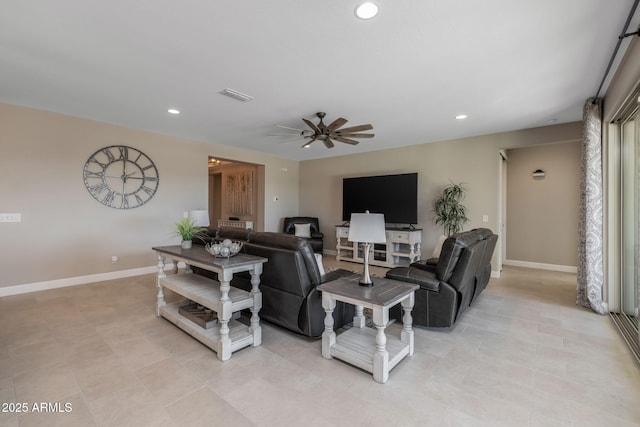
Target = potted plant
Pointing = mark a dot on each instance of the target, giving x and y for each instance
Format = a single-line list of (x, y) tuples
[(187, 230), (450, 212)]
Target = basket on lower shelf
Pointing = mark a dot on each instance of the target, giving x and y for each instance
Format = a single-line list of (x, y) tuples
[(200, 315)]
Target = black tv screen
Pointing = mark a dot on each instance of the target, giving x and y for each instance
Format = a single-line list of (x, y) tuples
[(395, 196)]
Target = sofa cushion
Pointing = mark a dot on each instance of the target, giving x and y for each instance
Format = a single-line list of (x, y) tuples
[(425, 279)]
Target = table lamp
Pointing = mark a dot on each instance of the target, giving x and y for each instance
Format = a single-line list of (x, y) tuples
[(199, 217), (367, 228)]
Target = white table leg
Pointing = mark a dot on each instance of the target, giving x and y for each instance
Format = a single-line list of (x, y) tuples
[(329, 335), (161, 275), (359, 321), (255, 328), (406, 336), (381, 355), (224, 315)]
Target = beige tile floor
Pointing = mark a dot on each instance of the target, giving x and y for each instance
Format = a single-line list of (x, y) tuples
[(524, 355)]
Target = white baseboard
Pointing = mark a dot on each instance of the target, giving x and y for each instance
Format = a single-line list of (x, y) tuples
[(80, 280), (541, 266)]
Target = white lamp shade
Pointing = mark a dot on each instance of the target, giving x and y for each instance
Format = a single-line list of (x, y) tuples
[(199, 217), (367, 227)]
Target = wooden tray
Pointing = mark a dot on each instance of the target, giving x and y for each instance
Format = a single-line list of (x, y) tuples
[(200, 315)]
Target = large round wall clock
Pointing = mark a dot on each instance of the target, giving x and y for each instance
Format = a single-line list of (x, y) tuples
[(121, 177)]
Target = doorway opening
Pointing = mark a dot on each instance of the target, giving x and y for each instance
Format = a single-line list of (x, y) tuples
[(236, 193)]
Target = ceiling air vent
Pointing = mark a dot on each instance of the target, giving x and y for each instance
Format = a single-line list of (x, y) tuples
[(239, 96)]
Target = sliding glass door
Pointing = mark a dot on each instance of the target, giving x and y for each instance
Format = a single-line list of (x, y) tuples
[(625, 310), (629, 219)]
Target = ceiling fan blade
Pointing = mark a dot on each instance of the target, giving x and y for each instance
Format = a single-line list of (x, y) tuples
[(287, 127), (313, 138), (358, 135), (313, 126), (354, 129), (337, 123), (328, 143), (346, 140)]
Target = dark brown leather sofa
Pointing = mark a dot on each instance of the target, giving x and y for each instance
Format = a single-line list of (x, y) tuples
[(450, 286), (288, 282)]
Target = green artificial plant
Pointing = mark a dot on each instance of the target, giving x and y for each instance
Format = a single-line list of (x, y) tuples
[(450, 212), (187, 229)]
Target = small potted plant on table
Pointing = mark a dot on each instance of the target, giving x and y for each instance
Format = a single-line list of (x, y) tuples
[(188, 230)]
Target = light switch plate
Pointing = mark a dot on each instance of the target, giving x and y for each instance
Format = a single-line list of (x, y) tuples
[(10, 217)]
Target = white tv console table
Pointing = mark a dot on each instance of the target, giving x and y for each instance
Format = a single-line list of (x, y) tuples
[(401, 248)]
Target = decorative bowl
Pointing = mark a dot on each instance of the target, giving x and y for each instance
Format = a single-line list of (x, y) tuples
[(225, 249)]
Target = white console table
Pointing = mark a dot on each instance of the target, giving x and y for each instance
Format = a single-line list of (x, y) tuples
[(219, 296), (401, 248)]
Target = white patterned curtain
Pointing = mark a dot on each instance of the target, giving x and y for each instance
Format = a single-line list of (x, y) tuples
[(590, 234)]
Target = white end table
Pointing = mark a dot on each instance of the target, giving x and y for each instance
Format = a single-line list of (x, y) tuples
[(366, 348)]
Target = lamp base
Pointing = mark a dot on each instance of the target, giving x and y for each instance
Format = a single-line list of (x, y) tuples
[(365, 279)]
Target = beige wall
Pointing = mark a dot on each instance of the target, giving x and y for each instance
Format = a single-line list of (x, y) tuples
[(473, 161), (542, 214), (65, 232)]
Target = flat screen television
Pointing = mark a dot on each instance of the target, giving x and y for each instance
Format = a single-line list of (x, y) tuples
[(395, 196)]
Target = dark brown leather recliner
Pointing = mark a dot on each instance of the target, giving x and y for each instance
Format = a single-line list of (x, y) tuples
[(459, 276), (316, 238)]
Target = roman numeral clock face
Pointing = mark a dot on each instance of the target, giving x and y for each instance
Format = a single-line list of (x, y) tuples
[(121, 177)]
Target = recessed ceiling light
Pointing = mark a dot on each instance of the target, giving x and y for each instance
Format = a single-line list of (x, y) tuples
[(173, 111), (461, 116), (367, 10)]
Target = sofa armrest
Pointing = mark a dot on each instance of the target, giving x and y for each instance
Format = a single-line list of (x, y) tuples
[(317, 235), (426, 279), (426, 264)]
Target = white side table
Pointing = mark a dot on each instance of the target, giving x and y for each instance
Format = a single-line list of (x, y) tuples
[(366, 348)]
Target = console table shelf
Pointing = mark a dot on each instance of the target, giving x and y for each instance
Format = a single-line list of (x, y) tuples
[(206, 291), (238, 333), (401, 248)]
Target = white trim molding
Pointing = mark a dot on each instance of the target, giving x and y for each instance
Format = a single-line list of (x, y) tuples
[(541, 266), (79, 280)]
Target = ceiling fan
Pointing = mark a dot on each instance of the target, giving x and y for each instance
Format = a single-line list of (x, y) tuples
[(332, 132)]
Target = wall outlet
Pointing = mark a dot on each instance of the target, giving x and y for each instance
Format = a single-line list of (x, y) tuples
[(485, 218), (10, 217), (114, 259)]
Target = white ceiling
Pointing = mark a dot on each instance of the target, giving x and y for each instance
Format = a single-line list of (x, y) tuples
[(507, 64)]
